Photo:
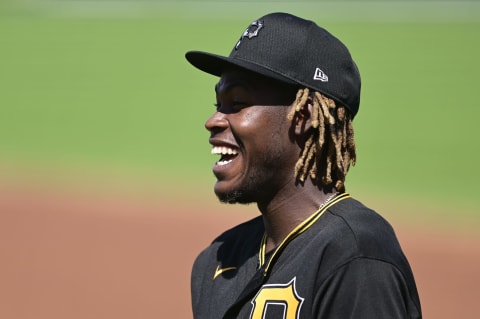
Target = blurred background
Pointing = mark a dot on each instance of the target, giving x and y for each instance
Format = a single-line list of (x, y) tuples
[(105, 181)]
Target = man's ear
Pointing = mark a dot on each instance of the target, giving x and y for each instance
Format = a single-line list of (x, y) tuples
[(303, 118)]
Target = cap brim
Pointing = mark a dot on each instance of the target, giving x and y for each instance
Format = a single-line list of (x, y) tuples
[(216, 64)]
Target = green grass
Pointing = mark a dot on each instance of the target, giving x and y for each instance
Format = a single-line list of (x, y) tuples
[(103, 90)]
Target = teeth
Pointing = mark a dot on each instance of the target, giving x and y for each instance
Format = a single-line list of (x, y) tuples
[(221, 163), (222, 150)]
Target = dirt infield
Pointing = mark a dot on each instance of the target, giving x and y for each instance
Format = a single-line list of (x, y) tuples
[(84, 256)]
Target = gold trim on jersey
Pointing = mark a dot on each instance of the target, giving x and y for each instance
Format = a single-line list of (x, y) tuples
[(219, 271), (303, 226)]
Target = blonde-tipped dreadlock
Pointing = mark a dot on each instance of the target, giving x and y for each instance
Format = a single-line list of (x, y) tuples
[(330, 149)]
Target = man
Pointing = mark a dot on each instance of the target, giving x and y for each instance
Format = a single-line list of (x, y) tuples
[(283, 132)]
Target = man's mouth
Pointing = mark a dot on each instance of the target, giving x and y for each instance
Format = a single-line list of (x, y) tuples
[(227, 154)]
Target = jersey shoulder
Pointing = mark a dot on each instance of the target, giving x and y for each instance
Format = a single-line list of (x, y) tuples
[(232, 247), (370, 234), (347, 231), (242, 231)]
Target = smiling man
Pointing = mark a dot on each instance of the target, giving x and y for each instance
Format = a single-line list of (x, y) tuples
[(286, 98)]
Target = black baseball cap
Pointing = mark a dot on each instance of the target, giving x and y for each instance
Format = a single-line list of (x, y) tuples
[(295, 51)]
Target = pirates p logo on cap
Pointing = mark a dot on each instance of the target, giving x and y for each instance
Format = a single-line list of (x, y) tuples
[(252, 31)]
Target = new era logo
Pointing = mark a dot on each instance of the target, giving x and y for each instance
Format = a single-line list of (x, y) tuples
[(320, 76)]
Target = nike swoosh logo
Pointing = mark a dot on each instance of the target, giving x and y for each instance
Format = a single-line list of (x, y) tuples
[(220, 271)]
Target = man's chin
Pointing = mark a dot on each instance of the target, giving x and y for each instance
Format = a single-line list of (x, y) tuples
[(234, 197)]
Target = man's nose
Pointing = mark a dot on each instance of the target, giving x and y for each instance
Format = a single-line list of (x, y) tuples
[(217, 121)]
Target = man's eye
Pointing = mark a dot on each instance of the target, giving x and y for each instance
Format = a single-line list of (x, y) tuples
[(230, 107), (238, 105)]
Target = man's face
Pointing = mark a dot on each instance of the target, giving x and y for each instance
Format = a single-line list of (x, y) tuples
[(250, 133)]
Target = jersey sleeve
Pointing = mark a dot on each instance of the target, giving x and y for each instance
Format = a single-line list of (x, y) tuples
[(365, 288), (198, 279)]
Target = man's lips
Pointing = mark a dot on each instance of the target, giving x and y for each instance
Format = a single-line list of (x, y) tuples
[(227, 154)]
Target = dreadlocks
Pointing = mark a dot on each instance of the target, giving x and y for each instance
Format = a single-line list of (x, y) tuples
[(330, 148)]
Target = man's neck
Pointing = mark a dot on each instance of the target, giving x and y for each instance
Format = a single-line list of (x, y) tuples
[(290, 207)]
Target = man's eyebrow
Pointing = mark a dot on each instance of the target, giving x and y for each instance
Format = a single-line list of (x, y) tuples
[(231, 85)]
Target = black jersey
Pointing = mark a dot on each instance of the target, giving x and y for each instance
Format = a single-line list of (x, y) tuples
[(342, 262)]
